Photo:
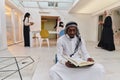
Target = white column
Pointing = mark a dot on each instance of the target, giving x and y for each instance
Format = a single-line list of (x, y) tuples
[(20, 27), (3, 40), (13, 24), (0, 31)]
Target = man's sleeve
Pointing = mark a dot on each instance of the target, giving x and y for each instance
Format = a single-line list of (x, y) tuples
[(60, 52), (84, 51)]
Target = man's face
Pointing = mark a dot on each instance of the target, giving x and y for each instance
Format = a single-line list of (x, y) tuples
[(72, 31)]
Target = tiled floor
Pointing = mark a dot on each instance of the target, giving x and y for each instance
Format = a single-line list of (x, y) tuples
[(44, 59)]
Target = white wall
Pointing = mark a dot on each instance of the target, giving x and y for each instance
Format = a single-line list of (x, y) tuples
[(3, 41), (84, 21), (94, 29), (116, 20)]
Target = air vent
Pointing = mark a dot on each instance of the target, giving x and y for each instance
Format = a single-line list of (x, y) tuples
[(53, 4)]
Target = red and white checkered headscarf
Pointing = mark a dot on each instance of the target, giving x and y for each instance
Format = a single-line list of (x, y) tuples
[(74, 24)]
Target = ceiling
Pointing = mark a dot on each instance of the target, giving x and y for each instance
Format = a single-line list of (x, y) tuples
[(74, 6), (45, 4), (92, 6)]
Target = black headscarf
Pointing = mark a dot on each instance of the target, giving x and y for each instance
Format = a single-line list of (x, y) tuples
[(26, 15)]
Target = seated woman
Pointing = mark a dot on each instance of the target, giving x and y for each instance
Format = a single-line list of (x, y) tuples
[(60, 28), (62, 32)]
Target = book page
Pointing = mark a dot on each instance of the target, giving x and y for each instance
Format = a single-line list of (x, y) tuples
[(82, 64), (71, 60), (77, 61)]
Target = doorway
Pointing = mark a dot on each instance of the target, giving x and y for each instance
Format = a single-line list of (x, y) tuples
[(100, 27), (49, 23)]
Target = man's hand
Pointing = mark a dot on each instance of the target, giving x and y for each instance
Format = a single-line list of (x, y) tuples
[(70, 65), (90, 60)]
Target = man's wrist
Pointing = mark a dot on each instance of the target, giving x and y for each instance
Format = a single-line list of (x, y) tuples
[(90, 59)]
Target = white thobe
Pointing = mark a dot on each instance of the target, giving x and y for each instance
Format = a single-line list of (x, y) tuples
[(66, 46)]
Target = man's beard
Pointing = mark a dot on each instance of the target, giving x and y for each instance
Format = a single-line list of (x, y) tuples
[(72, 37)]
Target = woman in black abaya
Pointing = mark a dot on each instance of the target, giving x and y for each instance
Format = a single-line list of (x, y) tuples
[(107, 40)]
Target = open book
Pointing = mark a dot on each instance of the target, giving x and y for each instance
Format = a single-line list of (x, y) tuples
[(78, 62)]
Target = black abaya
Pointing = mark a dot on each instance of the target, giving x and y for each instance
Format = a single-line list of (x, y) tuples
[(107, 40), (26, 36)]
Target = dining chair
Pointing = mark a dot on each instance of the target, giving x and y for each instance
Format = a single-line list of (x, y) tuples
[(44, 37)]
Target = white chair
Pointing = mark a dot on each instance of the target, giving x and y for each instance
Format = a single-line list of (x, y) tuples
[(44, 36), (35, 38)]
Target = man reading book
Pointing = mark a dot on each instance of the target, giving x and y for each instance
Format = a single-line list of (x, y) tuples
[(73, 46)]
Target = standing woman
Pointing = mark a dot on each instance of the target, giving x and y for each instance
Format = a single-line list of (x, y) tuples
[(107, 39), (26, 29)]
